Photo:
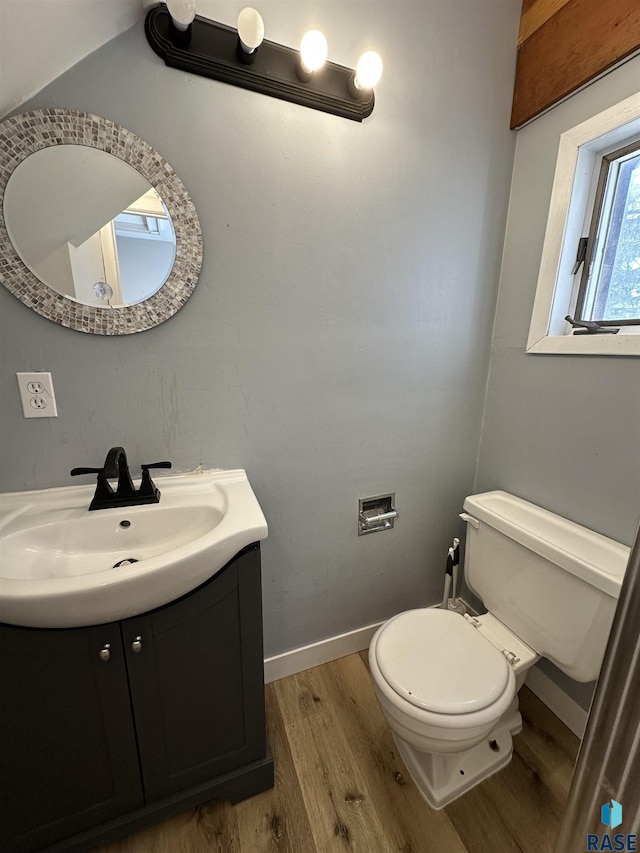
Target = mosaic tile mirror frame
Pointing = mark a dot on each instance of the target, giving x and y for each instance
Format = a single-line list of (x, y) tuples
[(27, 133)]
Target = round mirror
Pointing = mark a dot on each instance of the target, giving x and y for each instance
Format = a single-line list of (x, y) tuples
[(89, 226), (97, 232)]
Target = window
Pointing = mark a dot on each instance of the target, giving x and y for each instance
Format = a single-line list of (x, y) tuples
[(609, 291), (588, 294), (136, 223)]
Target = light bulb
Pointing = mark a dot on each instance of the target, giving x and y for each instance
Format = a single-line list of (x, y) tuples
[(313, 51), (182, 13), (250, 29), (368, 70)]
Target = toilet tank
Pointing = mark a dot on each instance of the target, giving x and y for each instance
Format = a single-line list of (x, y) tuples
[(552, 582)]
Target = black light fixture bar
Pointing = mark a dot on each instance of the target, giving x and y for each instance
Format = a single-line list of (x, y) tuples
[(210, 50)]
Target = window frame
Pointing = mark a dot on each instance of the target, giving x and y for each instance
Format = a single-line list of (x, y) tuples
[(580, 152)]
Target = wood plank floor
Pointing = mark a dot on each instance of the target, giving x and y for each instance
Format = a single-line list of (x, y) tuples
[(341, 786)]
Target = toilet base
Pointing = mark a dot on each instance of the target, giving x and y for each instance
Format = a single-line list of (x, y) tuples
[(443, 778)]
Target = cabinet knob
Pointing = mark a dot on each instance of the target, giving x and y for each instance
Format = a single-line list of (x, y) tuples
[(105, 652), (136, 646)]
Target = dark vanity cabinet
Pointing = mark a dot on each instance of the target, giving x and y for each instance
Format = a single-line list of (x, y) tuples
[(106, 729), (68, 756)]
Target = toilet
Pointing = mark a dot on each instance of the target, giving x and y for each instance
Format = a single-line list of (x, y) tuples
[(447, 683)]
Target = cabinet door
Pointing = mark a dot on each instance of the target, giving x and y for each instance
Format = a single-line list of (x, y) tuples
[(68, 757), (196, 677)]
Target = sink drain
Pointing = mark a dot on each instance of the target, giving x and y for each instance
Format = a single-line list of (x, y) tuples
[(126, 562)]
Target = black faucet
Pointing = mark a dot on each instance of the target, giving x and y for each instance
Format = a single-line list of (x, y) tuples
[(115, 465)]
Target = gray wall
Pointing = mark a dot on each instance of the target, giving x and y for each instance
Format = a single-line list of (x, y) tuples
[(337, 342), (560, 431)]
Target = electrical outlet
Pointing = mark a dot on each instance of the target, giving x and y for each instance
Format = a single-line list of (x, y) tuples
[(37, 396)]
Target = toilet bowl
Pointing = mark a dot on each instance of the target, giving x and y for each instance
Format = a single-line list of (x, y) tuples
[(447, 686), (448, 700), (447, 683)]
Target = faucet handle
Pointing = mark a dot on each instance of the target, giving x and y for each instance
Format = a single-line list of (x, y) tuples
[(156, 465), (148, 488), (103, 488)]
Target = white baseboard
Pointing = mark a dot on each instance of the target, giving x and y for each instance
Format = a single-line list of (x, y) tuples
[(572, 715), (297, 660)]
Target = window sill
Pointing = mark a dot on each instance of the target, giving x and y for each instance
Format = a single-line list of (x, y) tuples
[(622, 344)]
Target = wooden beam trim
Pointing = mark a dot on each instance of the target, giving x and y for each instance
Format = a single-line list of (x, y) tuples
[(581, 41), (535, 13)]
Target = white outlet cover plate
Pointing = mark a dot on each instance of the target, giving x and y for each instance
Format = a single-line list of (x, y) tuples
[(37, 396)]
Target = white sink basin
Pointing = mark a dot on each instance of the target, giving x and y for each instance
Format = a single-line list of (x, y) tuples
[(58, 560)]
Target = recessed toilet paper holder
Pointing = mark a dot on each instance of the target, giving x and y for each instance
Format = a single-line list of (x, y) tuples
[(376, 513)]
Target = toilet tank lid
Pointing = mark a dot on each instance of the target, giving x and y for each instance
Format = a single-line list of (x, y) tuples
[(595, 559)]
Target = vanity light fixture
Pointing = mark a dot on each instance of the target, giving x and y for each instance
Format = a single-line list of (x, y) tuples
[(244, 58)]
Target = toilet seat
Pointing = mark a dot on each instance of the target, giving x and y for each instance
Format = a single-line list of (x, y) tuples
[(436, 661)]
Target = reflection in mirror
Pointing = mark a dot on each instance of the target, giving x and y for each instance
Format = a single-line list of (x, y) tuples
[(89, 225), (97, 232)]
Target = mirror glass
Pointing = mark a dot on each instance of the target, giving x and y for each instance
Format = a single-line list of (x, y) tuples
[(97, 232), (89, 226)]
